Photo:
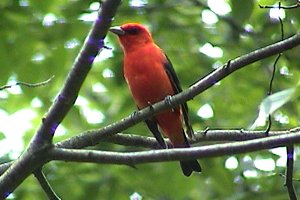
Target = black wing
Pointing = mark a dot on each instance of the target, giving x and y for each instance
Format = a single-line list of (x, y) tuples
[(177, 89), (153, 127)]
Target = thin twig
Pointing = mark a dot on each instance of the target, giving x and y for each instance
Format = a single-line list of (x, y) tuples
[(270, 91), (27, 84), (39, 175), (297, 5), (274, 70), (289, 172)]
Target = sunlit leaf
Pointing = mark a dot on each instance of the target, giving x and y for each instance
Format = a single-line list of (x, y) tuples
[(272, 103)]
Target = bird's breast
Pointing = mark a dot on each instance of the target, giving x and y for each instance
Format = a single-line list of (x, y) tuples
[(146, 76)]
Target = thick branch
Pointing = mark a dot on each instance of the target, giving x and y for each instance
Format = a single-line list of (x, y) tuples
[(82, 65), (32, 158), (200, 136), (5, 166), (150, 142), (134, 158)]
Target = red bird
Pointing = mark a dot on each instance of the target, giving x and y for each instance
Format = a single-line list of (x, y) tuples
[(151, 78)]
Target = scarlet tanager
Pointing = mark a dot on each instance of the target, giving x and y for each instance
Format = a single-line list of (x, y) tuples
[(151, 78)]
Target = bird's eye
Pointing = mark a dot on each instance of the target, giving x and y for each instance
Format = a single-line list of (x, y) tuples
[(133, 31)]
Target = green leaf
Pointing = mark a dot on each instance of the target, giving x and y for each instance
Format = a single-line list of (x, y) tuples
[(272, 103), (242, 10)]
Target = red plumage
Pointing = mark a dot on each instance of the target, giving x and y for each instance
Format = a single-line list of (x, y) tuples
[(151, 78)]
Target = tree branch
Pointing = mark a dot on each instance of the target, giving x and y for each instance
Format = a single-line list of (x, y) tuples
[(289, 172), (21, 83), (91, 138), (201, 136), (106, 157), (150, 142), (297, 5), (82, 65), (33, 158), (45, 185), (5, 166)]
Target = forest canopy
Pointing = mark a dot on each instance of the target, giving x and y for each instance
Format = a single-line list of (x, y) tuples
[(40, 40)]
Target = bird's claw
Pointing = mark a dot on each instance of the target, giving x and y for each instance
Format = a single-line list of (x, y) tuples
[(168, 100), (133, 114), (150, 105)]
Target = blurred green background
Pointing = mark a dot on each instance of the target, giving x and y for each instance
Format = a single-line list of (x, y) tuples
[(39, 39)]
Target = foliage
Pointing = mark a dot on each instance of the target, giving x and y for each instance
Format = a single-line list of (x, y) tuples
[(41, 39)]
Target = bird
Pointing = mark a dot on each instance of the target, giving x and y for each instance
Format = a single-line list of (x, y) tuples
[(151, 78)]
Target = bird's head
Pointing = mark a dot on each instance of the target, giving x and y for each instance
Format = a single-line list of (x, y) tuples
[(132, 35)]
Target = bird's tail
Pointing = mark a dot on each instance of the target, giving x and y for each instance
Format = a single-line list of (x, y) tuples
[(190, 166)]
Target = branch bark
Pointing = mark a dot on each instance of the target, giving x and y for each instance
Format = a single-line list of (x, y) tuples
[(92, 138), (201, 136), (106, 157), (150, 142), (45, 185), (33, 157)]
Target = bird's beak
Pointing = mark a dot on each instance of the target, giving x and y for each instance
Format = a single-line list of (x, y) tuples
[(117, 30)]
